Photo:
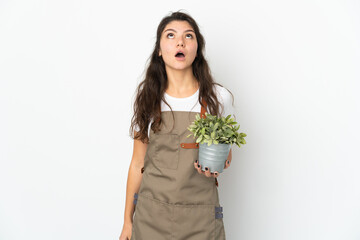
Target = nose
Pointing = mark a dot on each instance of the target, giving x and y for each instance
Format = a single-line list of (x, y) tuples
[(180, 43)]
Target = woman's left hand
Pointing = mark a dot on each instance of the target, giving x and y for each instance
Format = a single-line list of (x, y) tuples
[(207, 172)]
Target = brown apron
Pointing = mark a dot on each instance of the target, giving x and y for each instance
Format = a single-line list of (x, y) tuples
[(174, 201)]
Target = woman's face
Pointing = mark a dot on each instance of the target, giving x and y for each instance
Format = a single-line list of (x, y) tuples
[(178, 36)]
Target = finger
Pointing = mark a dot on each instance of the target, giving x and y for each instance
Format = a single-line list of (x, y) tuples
[(198, 168), (207, 172), (227, 164), (195, 164), (216, 174)]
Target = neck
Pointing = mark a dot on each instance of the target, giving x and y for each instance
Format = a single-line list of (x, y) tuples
[(181, 83)]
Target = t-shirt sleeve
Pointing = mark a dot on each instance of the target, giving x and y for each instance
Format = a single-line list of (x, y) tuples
[(137, 128), (227, 102)]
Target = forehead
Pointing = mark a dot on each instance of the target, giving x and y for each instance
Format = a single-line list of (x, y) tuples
[(179, 26)]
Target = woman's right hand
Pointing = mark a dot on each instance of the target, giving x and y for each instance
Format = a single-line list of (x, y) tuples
[(126, 232)]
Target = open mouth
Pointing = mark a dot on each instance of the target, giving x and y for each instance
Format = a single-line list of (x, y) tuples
[(180, 55)]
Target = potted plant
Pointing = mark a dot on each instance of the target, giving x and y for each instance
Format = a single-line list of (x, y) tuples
[(215, 136)]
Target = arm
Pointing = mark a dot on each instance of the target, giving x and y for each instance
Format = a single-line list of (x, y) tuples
[(228, 159), (134, 179), (230, 155)]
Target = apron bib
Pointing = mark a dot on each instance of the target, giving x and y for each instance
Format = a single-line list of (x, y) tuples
[(174, 201)]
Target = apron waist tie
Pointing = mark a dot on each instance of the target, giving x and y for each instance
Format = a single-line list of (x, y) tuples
[(218, 212)]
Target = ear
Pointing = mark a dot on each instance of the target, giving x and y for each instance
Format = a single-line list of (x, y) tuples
[(159, 53)]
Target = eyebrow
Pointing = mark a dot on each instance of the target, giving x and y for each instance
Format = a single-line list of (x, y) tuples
[(170, 29)]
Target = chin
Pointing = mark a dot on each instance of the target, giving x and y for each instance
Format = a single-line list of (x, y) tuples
[(181, 68)]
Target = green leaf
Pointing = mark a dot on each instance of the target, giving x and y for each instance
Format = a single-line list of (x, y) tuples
[(216, 129), (203, 131)]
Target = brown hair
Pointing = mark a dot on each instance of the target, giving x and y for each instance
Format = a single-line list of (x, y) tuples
[(151, 90)]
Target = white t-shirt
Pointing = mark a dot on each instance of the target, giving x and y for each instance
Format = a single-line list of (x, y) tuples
[(191, 104)]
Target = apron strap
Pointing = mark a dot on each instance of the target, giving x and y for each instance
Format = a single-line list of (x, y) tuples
[(203, 108), (189, 145), (202, 115)]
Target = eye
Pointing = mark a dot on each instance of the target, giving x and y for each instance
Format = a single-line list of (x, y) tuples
[(191, 36), (169, 34)]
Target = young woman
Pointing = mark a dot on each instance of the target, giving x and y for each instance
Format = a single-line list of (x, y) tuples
[(172, 196)]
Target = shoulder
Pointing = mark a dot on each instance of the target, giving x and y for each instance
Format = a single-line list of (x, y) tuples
[(225, 99), (224, 94)]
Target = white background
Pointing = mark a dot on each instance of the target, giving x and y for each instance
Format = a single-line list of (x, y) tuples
[(68, 73)]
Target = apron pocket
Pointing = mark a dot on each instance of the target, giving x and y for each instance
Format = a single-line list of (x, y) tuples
[(152, 220), (166, 153), (194, 222)]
